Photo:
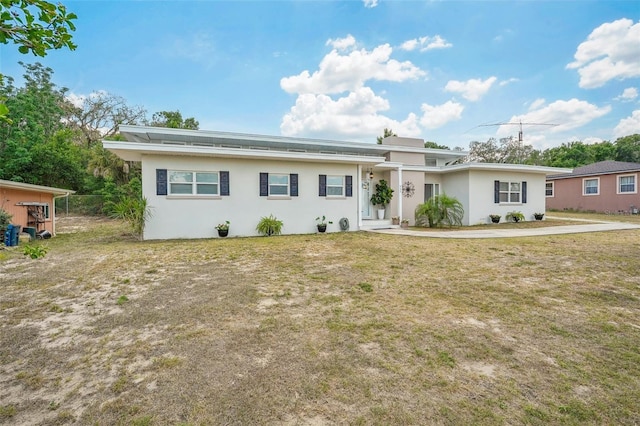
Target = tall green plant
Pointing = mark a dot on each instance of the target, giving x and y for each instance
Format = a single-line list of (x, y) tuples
[(269, 225), (134, 211), (438, 211), (5, 220), (383, 194)]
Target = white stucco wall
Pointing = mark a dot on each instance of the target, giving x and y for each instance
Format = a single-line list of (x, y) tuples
[(186, 217), (475, 189)]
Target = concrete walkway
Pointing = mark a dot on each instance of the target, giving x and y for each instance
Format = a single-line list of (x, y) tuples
[(591, 226)]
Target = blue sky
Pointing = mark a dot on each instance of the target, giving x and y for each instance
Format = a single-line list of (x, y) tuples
[(345, 70)]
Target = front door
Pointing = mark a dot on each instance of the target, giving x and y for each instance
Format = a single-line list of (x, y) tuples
[(366, 197)]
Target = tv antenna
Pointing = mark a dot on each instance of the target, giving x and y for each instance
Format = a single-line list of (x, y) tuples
[(519, 123)]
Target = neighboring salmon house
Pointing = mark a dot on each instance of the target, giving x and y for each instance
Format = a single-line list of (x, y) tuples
[(32, 206), (195, 179)]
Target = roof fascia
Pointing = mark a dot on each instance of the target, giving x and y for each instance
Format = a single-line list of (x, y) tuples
[(133, 151), (145, 134), (581, 175), (504, 167), (35, 188)]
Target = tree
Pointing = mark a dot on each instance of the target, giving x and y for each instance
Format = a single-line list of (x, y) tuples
[(628, 148), (173, 120), (100, 114), (34, 118), (429, 144), (386, 133), (507, 150), (51, 30), (484, 152)]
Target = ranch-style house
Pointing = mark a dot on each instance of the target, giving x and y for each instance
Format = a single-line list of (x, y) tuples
[(196, 179)]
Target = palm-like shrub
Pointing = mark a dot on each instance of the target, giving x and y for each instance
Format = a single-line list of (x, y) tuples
[(438, 211), (134, 211), (269, 225)]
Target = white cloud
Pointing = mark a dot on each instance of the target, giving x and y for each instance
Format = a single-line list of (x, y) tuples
[(79, 100), (339, 73), (342, 43), (425, 43), (537, 104), (471, 90), (435, 116), (370, 3), (628, 94), (509, 81), (356, 115), (588, 141), (628, 126), (566, 115), (612, 51)]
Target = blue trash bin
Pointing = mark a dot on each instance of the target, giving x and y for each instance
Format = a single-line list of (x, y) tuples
[(7, 236), (15, 235)]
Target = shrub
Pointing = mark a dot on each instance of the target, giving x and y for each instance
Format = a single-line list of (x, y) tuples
[(5, 220), (440, 210), (35, 251), (134, 211), (514, 216), (269, 225)]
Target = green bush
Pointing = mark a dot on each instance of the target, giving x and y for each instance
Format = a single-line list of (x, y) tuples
[(134, 211), (35, 251), (5, 220), (440, 210), (269, 225)]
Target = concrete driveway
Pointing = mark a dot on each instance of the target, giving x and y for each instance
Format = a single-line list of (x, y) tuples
[(590, 226)]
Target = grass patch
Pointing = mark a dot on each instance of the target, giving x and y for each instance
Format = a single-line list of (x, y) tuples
[(538, 330)]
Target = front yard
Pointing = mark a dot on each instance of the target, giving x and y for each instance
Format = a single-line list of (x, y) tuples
[(342, 328)]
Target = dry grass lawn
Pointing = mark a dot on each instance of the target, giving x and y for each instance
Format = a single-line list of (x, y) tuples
[(336, 329)]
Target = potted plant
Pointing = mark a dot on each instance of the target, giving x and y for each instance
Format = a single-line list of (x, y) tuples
[(269, 225), (395, 220), (515, 216), (538, 216), (223, 228), (404, 223), (322, 223), (495, 218), (382, 197)]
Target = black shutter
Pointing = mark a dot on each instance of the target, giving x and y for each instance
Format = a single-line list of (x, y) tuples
[(293, 184), (496, 191), (348, 189), (264, 184), (224, 183), (161, 181), (524, 192), (322, 185)]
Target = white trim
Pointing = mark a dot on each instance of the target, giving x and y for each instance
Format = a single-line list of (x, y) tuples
[(38, 188), (635, 184), (584, 181), (134, 151), (553, 189)]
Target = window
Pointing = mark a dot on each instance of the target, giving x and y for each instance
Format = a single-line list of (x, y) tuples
[(194, 183), (548, 189), (627, 184), (590, 186), (335, 186), (278, 184), (46, 211), (509, 192), (431, 190)]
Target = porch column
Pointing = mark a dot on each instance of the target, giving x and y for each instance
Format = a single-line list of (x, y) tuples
[(358, 193), (399, 192)]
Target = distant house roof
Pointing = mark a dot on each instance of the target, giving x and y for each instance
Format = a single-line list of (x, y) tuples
[(35, 188), (599, 168)]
